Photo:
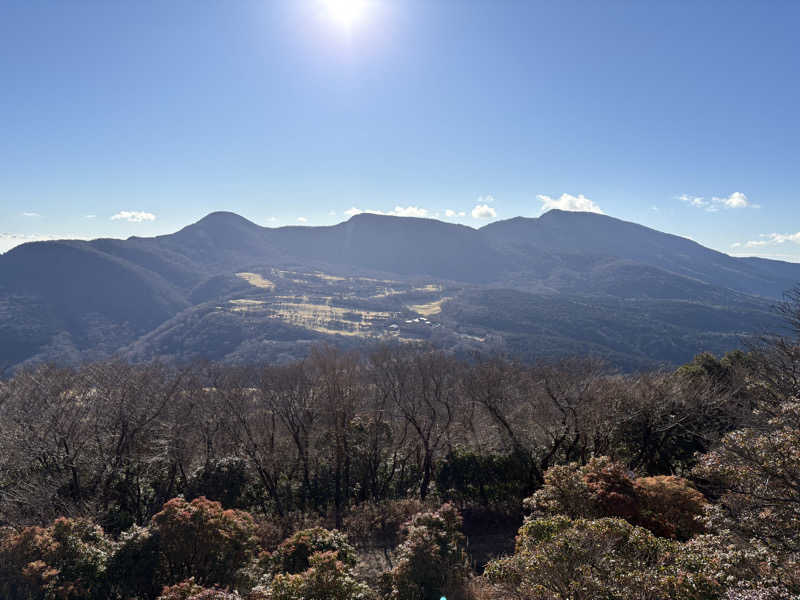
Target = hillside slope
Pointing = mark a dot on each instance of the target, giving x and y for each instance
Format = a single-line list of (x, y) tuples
[(589, 234), (227, 288)]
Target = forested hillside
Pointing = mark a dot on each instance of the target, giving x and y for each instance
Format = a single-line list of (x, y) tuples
[(228, 290)]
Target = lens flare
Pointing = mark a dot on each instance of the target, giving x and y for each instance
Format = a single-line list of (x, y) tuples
[(346, 12)]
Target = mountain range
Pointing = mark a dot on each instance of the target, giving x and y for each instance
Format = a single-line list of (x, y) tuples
[(227, 289)]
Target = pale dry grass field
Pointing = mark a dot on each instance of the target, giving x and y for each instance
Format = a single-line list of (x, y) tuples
[(429, 309), (257, 280)]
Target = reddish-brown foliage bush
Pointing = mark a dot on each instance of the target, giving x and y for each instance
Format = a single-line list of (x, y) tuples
[(65, 560), (611, 487), (199, 539), (668, 506), (189, 590)]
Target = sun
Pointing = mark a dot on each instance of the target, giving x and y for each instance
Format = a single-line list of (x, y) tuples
[(346, 13)]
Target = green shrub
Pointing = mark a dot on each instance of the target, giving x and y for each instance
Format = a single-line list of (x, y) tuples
[(327, 578), (223, 480), (468, 477), (431, 559), (294, 553), (559, 558), (134, 569)]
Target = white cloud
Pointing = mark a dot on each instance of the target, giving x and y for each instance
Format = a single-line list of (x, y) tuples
[(302, 220), (399, 211), (133, 216), (483, 211), (450, 213), (579, 203), (31, 214), (771, 239), (90, 217), (735, 200), (273, 219), (356, 211), (409, 211), (332, 213), (696, 201)]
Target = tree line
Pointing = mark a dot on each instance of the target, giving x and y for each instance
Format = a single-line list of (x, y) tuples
[(114, 441)]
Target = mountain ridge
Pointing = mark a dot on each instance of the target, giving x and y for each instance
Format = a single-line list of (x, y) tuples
[(130, 288)]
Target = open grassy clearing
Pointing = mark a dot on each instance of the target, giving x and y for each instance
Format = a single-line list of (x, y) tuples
[(429, 309), (332, 312), (327, 277), (394, 291), (244, 305), (386, 292), (257, 280), (313, 300), (316, 316)]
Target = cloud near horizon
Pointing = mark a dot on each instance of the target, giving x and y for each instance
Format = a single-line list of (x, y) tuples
[(399, 211), (568, 202), (735, 200), (483, 211), (770, 239), (133, 216)]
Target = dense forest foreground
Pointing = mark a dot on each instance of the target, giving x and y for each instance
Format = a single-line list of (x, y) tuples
[(404, 473)]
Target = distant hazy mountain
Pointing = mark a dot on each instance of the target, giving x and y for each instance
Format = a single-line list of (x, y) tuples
[(577, 233), (229, 289)]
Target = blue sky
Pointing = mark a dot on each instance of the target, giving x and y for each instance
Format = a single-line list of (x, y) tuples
[(137, 118)]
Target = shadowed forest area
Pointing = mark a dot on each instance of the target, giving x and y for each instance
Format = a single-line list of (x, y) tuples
[(404, 473)]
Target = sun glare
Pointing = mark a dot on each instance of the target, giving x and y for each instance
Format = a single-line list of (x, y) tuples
[(347, 13)]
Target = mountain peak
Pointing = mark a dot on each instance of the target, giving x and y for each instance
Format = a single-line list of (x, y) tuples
[(557, 213), (368, 217), (226, 218), (219, 224)]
